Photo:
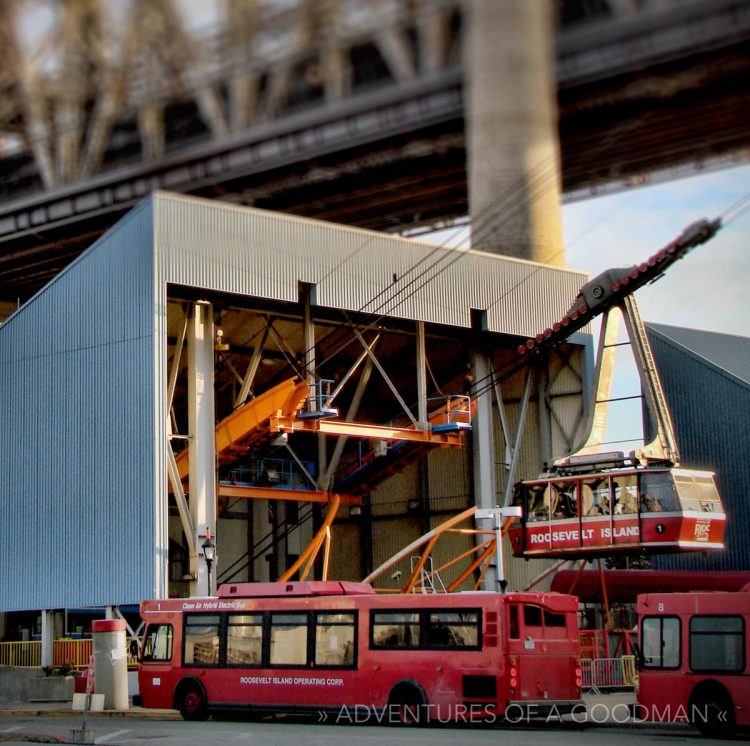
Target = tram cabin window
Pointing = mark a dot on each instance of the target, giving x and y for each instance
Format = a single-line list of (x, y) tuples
[(626, 494), (697, 492), (658, 492), (595, 495), (538, 502), (564, 503)]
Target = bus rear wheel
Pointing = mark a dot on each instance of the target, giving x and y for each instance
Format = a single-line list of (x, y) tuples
[(712, 712), (190, 700), (407, 705)]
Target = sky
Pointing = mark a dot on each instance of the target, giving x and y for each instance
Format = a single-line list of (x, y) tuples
[(706, 289)]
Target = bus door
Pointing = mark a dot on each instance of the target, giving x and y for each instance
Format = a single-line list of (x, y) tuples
[(539, 646), (157, 664)]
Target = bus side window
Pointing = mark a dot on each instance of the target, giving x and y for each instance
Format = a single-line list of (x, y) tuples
[(532, 616), (288, 639), (201, 639), (717, 644), (244, 639), (514, 631), (395, 629), (555, 625), (157, 645), (453, 629), (334, 639)]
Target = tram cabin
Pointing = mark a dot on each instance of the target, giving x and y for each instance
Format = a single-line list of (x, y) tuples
[(629, 510)]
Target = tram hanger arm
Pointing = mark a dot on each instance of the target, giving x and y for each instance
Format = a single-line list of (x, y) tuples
[(612, 286)]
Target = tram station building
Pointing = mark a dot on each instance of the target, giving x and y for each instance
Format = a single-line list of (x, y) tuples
[(212, 372), (710, 420)]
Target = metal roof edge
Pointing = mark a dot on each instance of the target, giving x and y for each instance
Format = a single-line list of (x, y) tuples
[(130, 215), (660, 331), (162, 194)]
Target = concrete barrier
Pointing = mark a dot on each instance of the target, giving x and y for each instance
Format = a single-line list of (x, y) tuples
[(20, 685)]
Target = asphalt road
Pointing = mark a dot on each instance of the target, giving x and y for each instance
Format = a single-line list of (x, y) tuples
[(135, 729)]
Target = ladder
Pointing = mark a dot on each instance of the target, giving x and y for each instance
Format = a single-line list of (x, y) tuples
[(429, 581)]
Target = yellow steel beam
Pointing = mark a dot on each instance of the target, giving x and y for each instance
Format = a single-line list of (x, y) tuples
[(362, 430), (275, 493), (287, 397)]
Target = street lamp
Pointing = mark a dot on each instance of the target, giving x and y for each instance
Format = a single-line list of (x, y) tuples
[(499, 516), (209, 554)]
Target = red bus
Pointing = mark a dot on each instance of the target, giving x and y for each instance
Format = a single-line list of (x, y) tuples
[(337, 648), (695, 659), (630, 510)]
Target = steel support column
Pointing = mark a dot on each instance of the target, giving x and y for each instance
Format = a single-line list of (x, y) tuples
[(483, 442), (421, 376)]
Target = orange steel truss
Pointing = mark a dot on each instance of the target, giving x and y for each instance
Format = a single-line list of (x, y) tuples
[(477, 558), (322, 539)]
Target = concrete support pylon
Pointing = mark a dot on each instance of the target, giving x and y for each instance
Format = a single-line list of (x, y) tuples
[(512, 130), (48, 637), (202, 444)]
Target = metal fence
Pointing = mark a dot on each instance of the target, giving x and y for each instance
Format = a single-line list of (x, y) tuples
[(22, 654), (609, 673), (66, 653), (71, 653)]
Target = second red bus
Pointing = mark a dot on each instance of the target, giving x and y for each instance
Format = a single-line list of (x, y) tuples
[(695, 659)]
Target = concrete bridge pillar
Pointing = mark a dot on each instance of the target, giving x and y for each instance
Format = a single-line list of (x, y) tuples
[(512, 129)]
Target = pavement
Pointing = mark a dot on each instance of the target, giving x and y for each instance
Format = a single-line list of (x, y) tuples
[(612, 709), (51, 709)]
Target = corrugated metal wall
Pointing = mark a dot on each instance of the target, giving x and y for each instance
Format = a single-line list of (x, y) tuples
[(77, 437), (710, 413), (203, 243)]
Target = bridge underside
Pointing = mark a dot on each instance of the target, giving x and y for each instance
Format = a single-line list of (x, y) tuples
[(395, 158)]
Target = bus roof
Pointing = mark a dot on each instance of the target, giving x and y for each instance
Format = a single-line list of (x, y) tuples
[(295, 588), (696, 602)]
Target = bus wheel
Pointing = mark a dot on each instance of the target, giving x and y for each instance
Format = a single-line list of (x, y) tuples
[(407, 704), (712, 711), (190, 700)]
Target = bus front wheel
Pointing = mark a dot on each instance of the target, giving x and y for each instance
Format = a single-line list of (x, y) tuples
[(712, 711), (190, 700)]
